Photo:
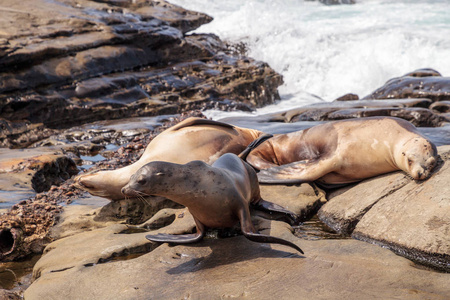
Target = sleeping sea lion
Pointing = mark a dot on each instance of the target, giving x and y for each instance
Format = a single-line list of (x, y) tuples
[(191, 139), (343, 152), (216, 195)]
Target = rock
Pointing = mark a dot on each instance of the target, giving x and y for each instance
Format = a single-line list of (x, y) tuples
[(21, 134), (321, 111), (418, 84), (346, 207), (304, 200), (134, 211), (8, 295), (116, 59), (234, 267), (334, 2), (348, 97), (423, 73), (440, 107), (410, 218)]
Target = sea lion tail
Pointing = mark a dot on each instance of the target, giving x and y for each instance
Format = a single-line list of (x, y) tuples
[(262, 238), (243, 155)]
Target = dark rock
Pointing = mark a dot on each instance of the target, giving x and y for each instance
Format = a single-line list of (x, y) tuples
[(116, 59), (425, 83), (423, 73), (348, 97), (335, 2), (440, 107)]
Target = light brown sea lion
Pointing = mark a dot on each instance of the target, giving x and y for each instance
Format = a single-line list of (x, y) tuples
[(343, 152), (216, 195), (191, 139)]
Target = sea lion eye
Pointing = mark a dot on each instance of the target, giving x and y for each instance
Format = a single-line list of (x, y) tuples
[(142, 181), (410, 161)]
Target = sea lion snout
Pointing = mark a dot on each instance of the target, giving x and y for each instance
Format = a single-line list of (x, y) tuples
[(82, 182)]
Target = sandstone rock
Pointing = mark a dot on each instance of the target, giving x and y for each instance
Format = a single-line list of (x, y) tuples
[(414, 221), (235, 267), (346, 207), (408, 217), (304, 200)]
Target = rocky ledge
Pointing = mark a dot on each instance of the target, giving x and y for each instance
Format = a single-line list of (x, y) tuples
[(65, 63), (410, 218)]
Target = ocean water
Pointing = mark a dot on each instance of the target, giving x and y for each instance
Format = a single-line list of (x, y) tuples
[(324, 52)]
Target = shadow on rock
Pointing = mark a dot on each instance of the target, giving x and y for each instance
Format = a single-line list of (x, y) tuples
[(226, 252)]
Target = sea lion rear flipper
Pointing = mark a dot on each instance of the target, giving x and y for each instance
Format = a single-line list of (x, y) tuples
[(243, 155), (270, 207), (296, 172), (252, 234), (179, 238)]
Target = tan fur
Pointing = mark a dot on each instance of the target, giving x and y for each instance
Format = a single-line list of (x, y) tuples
[(191, 139), (345, 151)]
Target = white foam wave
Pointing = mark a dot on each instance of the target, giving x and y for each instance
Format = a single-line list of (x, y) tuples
[(329, 51)]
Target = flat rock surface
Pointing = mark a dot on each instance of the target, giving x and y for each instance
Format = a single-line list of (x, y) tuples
[(238, 268)]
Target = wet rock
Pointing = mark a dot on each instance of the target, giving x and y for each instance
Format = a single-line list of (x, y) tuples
[(440, 107), (117, 59), (8, 295), (423, 73), (334, 2), (21, 134), (415, 110), (320, 111), (348, 97), (235, 266), (424, 83), (390, 211)]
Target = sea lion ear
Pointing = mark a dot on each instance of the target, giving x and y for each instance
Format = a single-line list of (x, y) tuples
[(159, 174)]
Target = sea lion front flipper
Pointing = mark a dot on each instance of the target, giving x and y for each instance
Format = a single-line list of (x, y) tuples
[(296, 172), (179, 238), (270, 207), (252, 234), (243, 155)]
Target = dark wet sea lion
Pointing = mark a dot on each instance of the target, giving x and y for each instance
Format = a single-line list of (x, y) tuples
[(217, 195), (342, 152), (191, 139)]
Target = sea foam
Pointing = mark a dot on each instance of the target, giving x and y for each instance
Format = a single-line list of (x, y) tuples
[(324, 52)]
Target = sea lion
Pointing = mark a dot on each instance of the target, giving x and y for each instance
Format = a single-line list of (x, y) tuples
[(216, 195), (191, 139), (343, 152)]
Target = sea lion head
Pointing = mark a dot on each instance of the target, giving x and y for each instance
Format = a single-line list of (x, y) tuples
[(419, 157), (105, 184), (151, 179)]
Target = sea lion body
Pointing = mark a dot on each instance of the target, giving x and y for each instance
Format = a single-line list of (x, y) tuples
[(191, 139), (217, 195), (342, 152)]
